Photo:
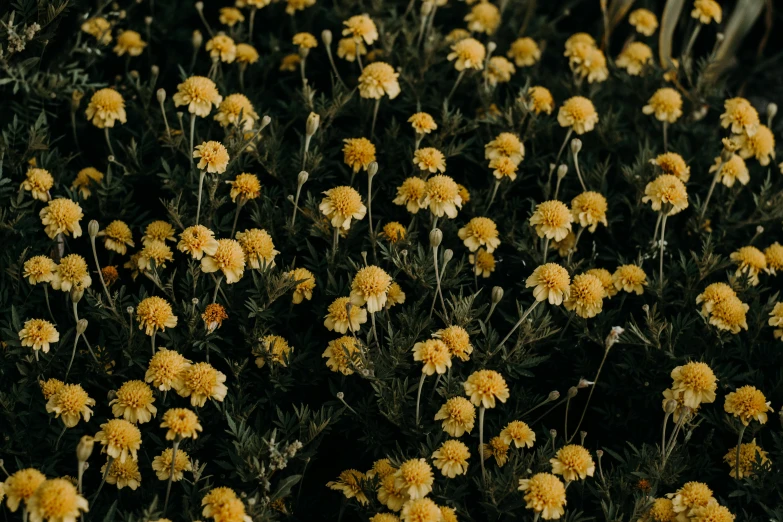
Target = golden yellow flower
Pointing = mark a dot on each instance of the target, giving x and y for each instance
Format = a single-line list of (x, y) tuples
[(497, 448), (776, 319), (666, 189), (342, 204), (71, 273), (154, 313), (484, 17), (504, 167), (430, 160), (545, 494), (213, 316), (414, 478), (539, 100), (166, 369), (695, 383), (576, 40), (273, 348), (451, 458), (245, 186), (384, 517), (586, 296), (395, 296), (98, 27), (712, 512), (213, 157), (573, 462), (579, 114), (420, 510), (230, 16), (458, 415), (304, 41), (707, 11), (552, 220), (480, 232), (690, 495), (39, 269), (222, 505), (455, 35), (290, 62), (20, 487), (389, 495), (748, 403), (350, 484), (361, 28), (348, 49), (50, 387), (394, 232), (56, 500), (154, 251), (524, 51), (587, 61), (61, 216), (740, 116), (422, 123), (483, 263), (673, 164), (413, 194), (198, 241), (71, 403), (761, 145), (304, 286), (662, 510), (774, 257), (457, 340), (105, 108), (338, 318), (732, 170), (499, 70), (750, 453), (358, 153), (469, 53), (158, 231), (123, 474), (258, 247), (133, 402), (199, 94), (644, 21), (38, 334), (665, 104), (750, 261), (381, 468), (120, 439), (630, 278), (379, 79), (182, 423), (110, 274), (229, 258), (519, 433), (38, 182), (370, 287), (606, 281), (118, 236), (589, 209), (634, 58), (222, 47), (483, 387), (442, 196), (463, 193), (201, 382), (162, 465), (341, 356), (505, 145), (236, 109), (129, 42), (247, 54), (448, 514), (434, 355)]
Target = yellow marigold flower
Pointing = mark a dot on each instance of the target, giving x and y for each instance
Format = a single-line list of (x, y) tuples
[(579, 114), (232, 108), (524, 51), (222, 47), (695, 382), (607, 281), (202, 382), (483, 263), (750, 453), (258, 247), (245, 186), (110, 274), (213, 157), (480, 232), (224, 506), (469, 53), (519, 433), (484, 17), (71, 273), (247, 54), (712, 512), (38, 334), (442, 196), (550, 282), (499, 70), (413, 194), (339, 320), (305, 285), (348, 49), (395, 296), (105, 108), (576, 40), (199, 94), (586, 296), (422, 123), (732, 170), (166, 369), (71, 403), (274, 348), (666, 189), (497, 448), (350, 484), (229, 258), (573, 462), (761, 145), (662, 510), (634, 58), (420, 510), (20, 487), (119, 439), (129, 42), (589, 209), (61, 216), (458, 415), (707, 11), (630, 278), (429, 159), (774, 257), (389, 495), (505, 145), (381, 468), (38, 182), (182, 423), (158, 231), (361, 27), (305, 41), (740, 116), (673, 164), (39, 269), (680, 409), (451, 458), (133, 402), (230, 16), (340, 354), (504, 168), (358, 153), (455, 35), (197, 241), (748, 403), (544, 494), (776, 319), (98, 27), (118, 237), (370, 286), (448, 514), (154, 313), (587, 61), (290, 62), (457, 340), (384, 517), (484, 386), (539, 100), (50, 387), (414, 478), (342, 204), (213, 316), (463, 193), (665, 104), (394, 231), (689, 496), (552, 220), (644, 21), (56, 500), (156, 251), (162, 465), (123, 474), (377, 79), (434, 355), (751, 261)]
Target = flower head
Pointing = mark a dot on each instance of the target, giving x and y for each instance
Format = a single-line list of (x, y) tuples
[(469, 53), (236, 109), (230, 16), (212, 156), (630, 278), (434, 355), (552, 220), (166, 369), (379, 79), (246, 54), (56, 500), (105, 108), (71, 273), (413, 194), (348, 49), (182, 423), (747, 404), (340, 320), (201, 381), (222, 47), (539, 100), (690, 495), (751, 261), (71, 403), (120, 439), (370, 287), (586, 296), (38, 334), (483, 387), (98, 27), (394, 231), (304, 286), (258, 247), (545, 494), (576, 40), (589, 209), (579, 114), (483, 263), (606, 280), (61, 216), (451, 458), (573, 462), (665, 104), (350, 484), (760, 145), (635, 57), (275, 349), (740, 116), (673, 164), (129, 42), (198, 241), (199, 94), (774, 256), (662, 510), (154, 251), (340, 354), (480, 232), (133, 402), (162, 465), (499, 70), (707, 11), (505, 145), (421, 510), (361, 28), (666, 189), (229, 258), (38, 182), (644, 21), (117, 237), (390, 495), (342, 204), (422, 123), (39, 269), (588, 61), (519, 433), (155, 313), (550, 282), (304, 41), (457, 340), (358, 153), (429, 159), (695, 383), (123, 474), (458, 415), (20, 487), (524, 51), (414, 478), (50, 387)]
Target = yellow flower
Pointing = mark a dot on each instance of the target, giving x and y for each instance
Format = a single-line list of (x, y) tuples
[(707, 11), (748, 403), (213, 157), (228, 258), (247, 54), (50, 387), (162, 465), (552, 220), (469, 53), (338, 318), (483, 263), (695, 383), (123, 474), (370, 287), (361, 27), (673, 164), (524, 51), (455, 35), (61, 216), (630, 278), (586, 296), (666, 189), (606, 281), (750, 261), (71, 403), (484, 386), (384, 517), (120, 439), (434, 354), (290, 62), (38, 334), (496, 448), (589, 209), (377, 79), (39, 269), (21, 486), (644, 21), (458, 416), (451, 458), (56, 500), (480, 232), (156, 251), (430, 160), (712, 512), (573, 462), (579, 114), (448, 514), (519, 433), (98, 27), (232, 108), (761, 145), (274, 348), (484, 17), (133, 402), (634, 58), (504, 168), (198, 241), (230, 16), (457, 340), (38, 182), (118, 236), (463, 193), (505, 145), (358, 153), (166, 369), (304, 286), (499, 70), (213, 316), (576, 40), (105, 108), (381, 468), (776, 319), (587, 61), (420, 510), (350, 484), (394, 232), (665, 104), (442, 196), (71, 273), (413, 194), (390, 495), (348, 49), (129, 42), (305, 41), (740, 116), (182, 423), (110, 274), (661, 510), (158, 231), (222, 505), (545, 494), (258, 247), (414, 478), (750, 453), (222, 47), (774, 257), (341, 353), (342, 204), (199, 94), (732, 170), (154, 313), (202, 382), (690, 495), (422, 123), (539, 100)]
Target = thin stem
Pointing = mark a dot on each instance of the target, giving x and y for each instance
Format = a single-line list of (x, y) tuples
[(514, 329), (359, 60), (578, 173), (242, 69), (663, 439), (418, 397), (590, 395), (296, 204), (576, 241), (709, 194), (334, 66), (437, 283), (481, 442), (200, 188), (335, 239), (109, 462), (73, 355), (663, 243), (166, 120), (546, 249), (456, 83), (686, 53), (494, 193), (562, 147), (174, 448), (240, 204), (375, 331), (57, 444), (152, 340), (565, 428), (100, 274), (108, 140), (369, 202), (657, 227), (48, 307), (374, 116), (737, 471), (217, 287), (666, 136), (302, 63), (557, 184), (192, 138)]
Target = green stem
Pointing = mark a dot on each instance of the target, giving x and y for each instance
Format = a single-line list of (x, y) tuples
[(200, 187), (418, 397), (174, 447)]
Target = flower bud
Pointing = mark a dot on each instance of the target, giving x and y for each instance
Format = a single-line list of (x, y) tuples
[(148, 20), (613, 336), (266, 120), (84, 448), (491, 46), (154, 70), (199, 6), (161, 94), (340, 395), (553, 396), (646, 308), (313, 120), (134, 74), (576, 146), (372, 169), (497, 294), (670, 406), (326, 36), (759, 229), (562, 170), (81, 326), (129, 310), (93, 228), (772, 110), (436, 236), (720, 37), (426, 8), (76, 294), (290, 198), (302, 178), (197, 39), (194, 301), (599, 453), (553, 433), (448, 254), (584, 383), (572, 391)]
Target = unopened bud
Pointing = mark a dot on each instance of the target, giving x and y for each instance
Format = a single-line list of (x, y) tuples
[(372, 169), (129, 310), (154, 70), (562, 170), (584, 383), (759, 229), (772, 110), (161, 94), (448, 255), (326, 36), (194, 301), (290, 198), (148, 20), (197, 39), (491, 46), (93, 228), (302, 178), (84, 448), (426, 8), (572, 391), (436, 236), (303, 52), (613, 336), (313, 120), (553, 396), (76, 294), (582, 437), (553, 433), (340, 395), (576, 146), (266, 120), (134, 74), (599, 453), (199, 6), (497, 294), (720, 37), (646, 308), (81, 326), (670, 406)]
